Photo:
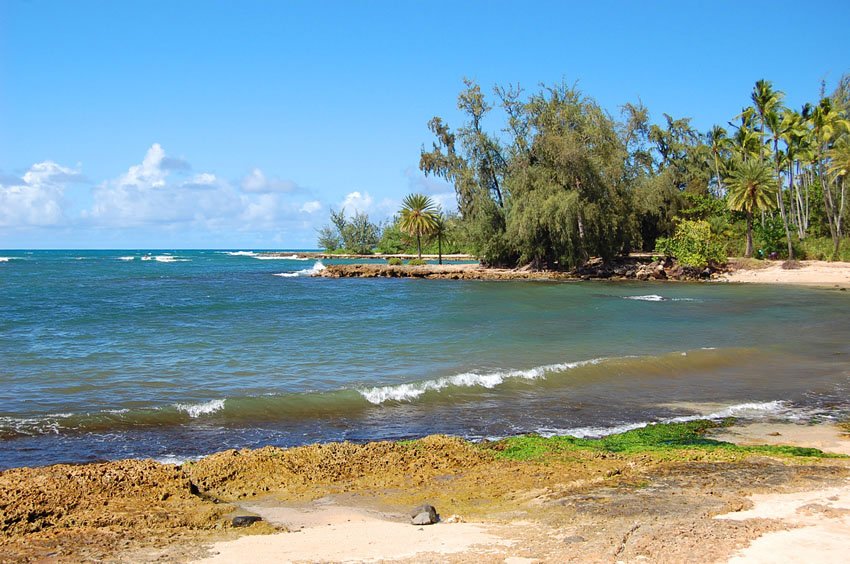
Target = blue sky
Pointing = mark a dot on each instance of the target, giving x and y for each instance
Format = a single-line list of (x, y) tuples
[(239, 124)]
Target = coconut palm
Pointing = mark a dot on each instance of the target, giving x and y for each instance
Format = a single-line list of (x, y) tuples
[(418, 217), (440, 233), (751, 188), (718, 143)]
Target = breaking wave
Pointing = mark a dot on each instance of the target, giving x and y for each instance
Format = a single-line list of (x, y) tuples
[(312, 271), (276, 257), (165, 258), (409, 392), (657, 298), (197, 409)]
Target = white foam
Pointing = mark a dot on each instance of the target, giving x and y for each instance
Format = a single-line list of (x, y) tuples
[(176, 460), (312, 271), (6, 259), (409, 392), (241, 253), (289, 257), (657, 298), (165, 258), (195, 410), (744, 410), (127, 258)]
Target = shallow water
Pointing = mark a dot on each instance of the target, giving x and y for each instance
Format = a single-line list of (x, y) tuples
[(174, 354)]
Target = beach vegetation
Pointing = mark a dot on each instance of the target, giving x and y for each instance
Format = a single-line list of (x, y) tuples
[(555, 180), (417, 262), (355, 234), (752, 189), (395, 261), (693, 244), (418, 218)]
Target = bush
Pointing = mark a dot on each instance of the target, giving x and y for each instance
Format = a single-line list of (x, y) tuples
[(416, 262), (395, 261), (820, 248), (692, 244), (771, 236)]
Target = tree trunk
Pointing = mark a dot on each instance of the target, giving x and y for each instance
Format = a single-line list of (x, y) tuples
[(781, 200), (749, 252), (419, 245), (439, 249)]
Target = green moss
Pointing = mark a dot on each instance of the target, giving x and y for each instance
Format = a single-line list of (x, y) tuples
[(652, 438)]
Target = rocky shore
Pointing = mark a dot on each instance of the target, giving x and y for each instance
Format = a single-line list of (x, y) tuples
[(631, 268), (650, 494)]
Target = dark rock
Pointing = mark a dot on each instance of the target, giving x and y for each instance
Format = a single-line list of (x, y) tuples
[(574, 538), (424, 515), (245, 520)]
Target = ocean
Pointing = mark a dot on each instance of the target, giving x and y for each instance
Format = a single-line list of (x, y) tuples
[(176, 354)]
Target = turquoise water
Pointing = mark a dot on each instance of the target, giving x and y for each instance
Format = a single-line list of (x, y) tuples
[(174, 354)]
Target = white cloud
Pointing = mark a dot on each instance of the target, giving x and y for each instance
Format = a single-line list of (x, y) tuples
[(150, 173), (311, 207), (37, 199), (257, 182), (148, 194), (357, 202)]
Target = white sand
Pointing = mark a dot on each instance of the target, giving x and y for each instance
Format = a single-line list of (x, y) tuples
[(819, 520), (811, 273), (343, 534), (825, 437), (822, 518)]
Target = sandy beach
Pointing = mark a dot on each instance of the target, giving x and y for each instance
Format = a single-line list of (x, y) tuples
[(804, 273)]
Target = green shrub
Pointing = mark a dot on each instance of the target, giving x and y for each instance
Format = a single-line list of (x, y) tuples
[(395, 261), (692, 244), (820, 248), (416, 262), (770, 236)]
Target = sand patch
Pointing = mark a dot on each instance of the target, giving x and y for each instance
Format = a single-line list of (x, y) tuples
[(827, 438), (810, 273), (822, 526), (322, 532)]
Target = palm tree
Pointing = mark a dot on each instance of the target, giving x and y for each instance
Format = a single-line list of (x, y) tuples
[(766, 101), (717, 144), (418, 217), (751, 187), (440, 233)]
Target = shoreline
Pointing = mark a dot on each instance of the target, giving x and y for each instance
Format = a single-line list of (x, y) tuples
[(815, 274), (525, 497)]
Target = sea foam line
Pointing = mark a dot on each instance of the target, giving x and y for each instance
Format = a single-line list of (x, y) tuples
[(165, 258), (289, 257), (745, 410), (409, 392), (657, 298)]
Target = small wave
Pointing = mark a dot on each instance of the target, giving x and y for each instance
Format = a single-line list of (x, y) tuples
[(315, 269), (165, 258), (127, 258), (241, 253), (657, 298), (289, 257), (7, 259), (176, 460), (409, 392), (195, 410)]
